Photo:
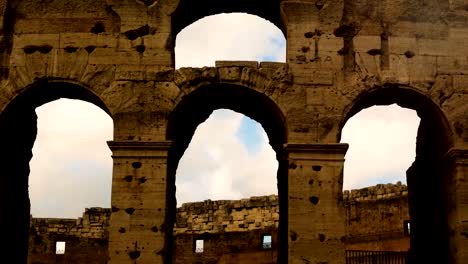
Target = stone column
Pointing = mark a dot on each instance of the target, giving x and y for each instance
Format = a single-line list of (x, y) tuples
[(458, 206), (138, 229), (18, 128), (316, 220)]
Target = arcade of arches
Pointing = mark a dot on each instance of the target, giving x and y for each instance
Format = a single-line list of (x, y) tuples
[(342, 57)]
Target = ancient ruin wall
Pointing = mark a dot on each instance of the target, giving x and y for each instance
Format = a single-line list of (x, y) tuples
[(377, 218), (232, 231), (86, 238), (228, 216)]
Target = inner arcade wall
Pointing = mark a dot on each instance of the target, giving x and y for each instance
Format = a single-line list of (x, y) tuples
[(232, 231), (342, 56)]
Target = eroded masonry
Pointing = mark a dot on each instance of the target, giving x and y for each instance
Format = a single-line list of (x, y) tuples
[(242, 231), (342, 56)]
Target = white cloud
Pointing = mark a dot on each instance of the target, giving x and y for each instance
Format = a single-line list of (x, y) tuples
[(382, 147), (217, 165), (71, 167), (233, 36)]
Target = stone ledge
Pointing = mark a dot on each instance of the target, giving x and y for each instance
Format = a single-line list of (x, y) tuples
[(250, 64)]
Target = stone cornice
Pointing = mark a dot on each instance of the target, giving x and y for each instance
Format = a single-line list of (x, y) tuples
[(335, 151), (457, 155), (135, 149), (324, 148)]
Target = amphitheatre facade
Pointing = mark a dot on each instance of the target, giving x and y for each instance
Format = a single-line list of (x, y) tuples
[(342, 56)]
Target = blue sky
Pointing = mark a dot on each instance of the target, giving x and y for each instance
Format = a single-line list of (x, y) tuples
[(250, 134), (229, 156)]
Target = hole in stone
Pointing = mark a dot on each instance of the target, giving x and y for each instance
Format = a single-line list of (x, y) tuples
[(293, 236), (134, 254), (136, 165), (316, 168), (44, 49), (30, 49), (314, 200), (98, 28), (70, 49), (321, 237), (409, 54), (90, 49), (142, 180), (140, 48), (128, 178)]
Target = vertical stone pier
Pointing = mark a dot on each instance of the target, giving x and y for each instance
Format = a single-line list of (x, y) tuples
[(316, 221), (458, 206), (138, 227)]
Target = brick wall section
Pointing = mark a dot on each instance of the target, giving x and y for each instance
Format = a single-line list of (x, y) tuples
[(232, 230)]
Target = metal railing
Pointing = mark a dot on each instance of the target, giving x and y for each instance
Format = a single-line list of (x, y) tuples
[(375, 257)]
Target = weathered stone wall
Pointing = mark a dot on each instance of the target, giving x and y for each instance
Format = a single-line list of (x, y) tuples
[(232, 231), (227, 216), (376, 218), (86, 238), (342, 56)]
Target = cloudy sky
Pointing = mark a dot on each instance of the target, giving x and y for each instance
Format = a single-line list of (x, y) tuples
[(229, 156)]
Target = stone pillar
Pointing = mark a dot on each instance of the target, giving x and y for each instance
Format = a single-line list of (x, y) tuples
[(18, 128), (138, 226), (458, 206), (428, 204), (316, 220)]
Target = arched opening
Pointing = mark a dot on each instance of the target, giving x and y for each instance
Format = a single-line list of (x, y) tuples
[(18, 130), (228, 158), (193, 110), (71, 161), (426, 177), (233, 36), (382, 146), (189, 11)]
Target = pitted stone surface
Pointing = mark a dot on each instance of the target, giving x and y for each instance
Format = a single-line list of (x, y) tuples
[(342, 56)]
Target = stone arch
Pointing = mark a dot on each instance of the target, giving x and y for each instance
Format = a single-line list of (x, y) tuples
[(269, 78), (196, 106), (404, 96), (428, 177), (188, 11), (18, 129)]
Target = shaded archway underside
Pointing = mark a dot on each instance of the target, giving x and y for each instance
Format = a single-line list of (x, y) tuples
[(432, 117), (45, 91), (196, 107), (190, 11), (428, 176), (18, 129)]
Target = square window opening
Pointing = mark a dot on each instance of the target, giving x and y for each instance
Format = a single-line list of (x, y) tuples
[(407, 228), (266, 241), (199, 244), (60, 247)]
